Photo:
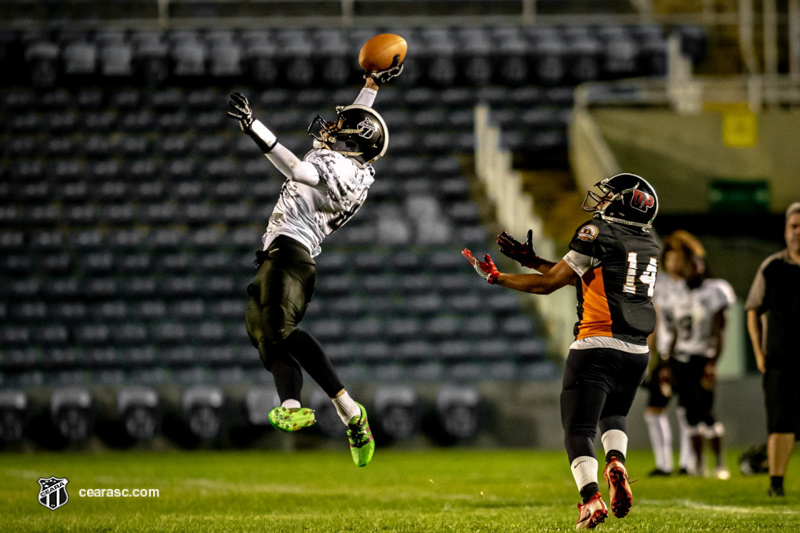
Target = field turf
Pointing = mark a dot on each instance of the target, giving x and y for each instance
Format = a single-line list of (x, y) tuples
[(410, 491)]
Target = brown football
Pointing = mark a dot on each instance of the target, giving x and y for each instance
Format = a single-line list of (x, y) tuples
[(378, 53)]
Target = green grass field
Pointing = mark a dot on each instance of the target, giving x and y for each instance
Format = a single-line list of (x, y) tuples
[(410, 491)]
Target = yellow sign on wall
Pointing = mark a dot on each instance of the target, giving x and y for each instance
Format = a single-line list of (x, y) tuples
[(739, 129)]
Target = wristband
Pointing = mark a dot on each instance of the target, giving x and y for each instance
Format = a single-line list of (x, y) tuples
[(265, 139)]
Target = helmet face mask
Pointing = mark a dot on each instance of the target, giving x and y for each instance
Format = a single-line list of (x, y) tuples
[(359, 133), (625, 199)]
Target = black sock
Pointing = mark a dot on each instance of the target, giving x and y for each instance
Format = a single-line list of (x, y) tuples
[(776, 482), (309, 354), (615, 454), (288, 378), (588, 491)]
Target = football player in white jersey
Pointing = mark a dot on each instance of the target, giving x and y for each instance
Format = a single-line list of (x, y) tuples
[(676, 250), (321, 193), (696, 314)]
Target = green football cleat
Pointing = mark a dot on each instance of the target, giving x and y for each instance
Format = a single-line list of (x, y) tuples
[(293, 419), (362, 445)]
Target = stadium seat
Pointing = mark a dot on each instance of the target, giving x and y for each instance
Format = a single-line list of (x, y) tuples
[(110, 311), (149, 310), (55, 263), (186, 310), (138, 263), (129, 334)]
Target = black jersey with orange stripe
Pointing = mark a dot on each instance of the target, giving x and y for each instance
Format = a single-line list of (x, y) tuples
[(615, 296)]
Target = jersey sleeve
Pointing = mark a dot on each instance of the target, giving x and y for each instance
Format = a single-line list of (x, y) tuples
[(755, 298), (585, 240)]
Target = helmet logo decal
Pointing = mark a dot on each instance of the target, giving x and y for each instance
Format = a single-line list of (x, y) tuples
[(588, 233), (641, 201), (367, 128)]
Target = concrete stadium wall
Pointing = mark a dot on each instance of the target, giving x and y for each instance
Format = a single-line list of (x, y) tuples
[(513, 414), (682, 154)]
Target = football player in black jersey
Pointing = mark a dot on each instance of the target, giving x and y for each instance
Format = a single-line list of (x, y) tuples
[(612, 262)]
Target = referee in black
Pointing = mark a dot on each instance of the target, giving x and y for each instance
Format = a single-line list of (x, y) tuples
[(773, 313)]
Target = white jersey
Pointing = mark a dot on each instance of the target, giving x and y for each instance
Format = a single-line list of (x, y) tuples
[(668, 287), (690, 314), (309, 214)]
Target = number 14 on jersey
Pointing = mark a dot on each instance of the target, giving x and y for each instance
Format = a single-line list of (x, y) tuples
[(648, 277)]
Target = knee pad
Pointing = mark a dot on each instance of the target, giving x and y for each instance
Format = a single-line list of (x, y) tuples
[(715, 430)]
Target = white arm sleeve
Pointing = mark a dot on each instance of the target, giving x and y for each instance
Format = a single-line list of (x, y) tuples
[(366, 97), (292, 167), (580, 263)]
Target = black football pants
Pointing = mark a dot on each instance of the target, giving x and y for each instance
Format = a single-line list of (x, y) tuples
[(277, 300), (598, 389)]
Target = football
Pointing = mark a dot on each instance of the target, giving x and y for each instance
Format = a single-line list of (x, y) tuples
[(378, 53)]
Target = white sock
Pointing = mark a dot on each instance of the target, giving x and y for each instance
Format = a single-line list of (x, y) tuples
[(346, 408), (660, 439), (584, 470), (615, 439), (291, 404), (686, 458)]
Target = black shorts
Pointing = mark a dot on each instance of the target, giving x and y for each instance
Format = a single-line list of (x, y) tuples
[(279, 294), (692, 396), (656, 397), (782, 399), (615, 375)]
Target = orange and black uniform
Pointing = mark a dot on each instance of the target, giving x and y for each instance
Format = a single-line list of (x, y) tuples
[(615, 298), (617, 266)]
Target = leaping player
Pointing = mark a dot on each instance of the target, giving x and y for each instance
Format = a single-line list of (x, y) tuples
[(321, 193)]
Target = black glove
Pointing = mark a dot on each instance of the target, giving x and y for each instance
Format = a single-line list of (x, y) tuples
[(382, 76), (242, 111), (521, 253)]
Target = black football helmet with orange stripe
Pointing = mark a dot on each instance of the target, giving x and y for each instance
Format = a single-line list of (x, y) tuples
[(625, 199)]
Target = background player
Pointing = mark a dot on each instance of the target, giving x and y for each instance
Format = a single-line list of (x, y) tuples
[(676, 250), (695, 312), (321, 193), (613, 263)]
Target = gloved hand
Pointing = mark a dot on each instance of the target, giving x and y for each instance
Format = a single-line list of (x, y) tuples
[(485, 269), (264, 138), (519, 252), (241, 111), (382, 76)]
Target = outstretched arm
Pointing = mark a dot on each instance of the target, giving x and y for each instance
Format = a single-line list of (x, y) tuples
[(560, 275), (280, 156)]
